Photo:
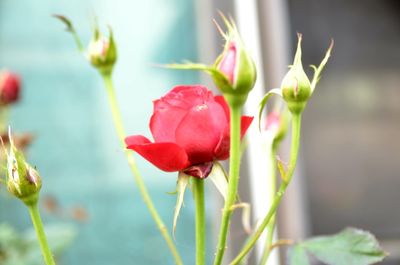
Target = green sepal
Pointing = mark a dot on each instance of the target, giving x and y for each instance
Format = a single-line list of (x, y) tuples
[(23, 181), (219, 78), (220, 179), (183, 181), (318, 71), (70, 28), (263, 103)]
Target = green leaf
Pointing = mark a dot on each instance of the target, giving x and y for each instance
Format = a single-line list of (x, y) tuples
[(349, 247), (183, 181), (298, 256), (59, 237)]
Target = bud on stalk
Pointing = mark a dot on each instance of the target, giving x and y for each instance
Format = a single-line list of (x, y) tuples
[(9, 87), (23, 181), (102, 51), (235, 64)]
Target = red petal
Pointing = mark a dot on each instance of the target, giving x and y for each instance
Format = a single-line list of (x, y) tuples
[(245, 124), (187, 96), (166, 156), (221, 100), (164, 121), (200, 130)]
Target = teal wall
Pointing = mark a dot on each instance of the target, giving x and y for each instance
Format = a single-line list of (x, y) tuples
[(65, 107)]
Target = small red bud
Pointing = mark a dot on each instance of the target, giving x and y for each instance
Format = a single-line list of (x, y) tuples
[(9, 87)]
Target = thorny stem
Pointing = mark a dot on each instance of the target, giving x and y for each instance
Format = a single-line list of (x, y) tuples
[(131, 161), (198, 192), (296, 126), (234, 166)]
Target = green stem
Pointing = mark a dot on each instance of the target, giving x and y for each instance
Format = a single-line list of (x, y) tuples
[(271, 192), (234, 166), (38, 225), (131, 161), (198, 191), (296, 126)]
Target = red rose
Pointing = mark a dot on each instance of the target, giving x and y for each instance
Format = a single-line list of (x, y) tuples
[(9, 87), (190, 127)]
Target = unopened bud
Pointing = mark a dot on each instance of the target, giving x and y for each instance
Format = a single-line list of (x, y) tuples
[(23, 181), (236, 64), (296, 87), (9, 87), (102, 51), (277, 125)]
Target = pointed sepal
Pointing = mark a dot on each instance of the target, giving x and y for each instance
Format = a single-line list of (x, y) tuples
[(183, 181), (263, 103), (220, 179), (318, 71)]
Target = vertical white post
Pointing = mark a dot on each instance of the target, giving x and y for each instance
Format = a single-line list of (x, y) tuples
[(248, 23)]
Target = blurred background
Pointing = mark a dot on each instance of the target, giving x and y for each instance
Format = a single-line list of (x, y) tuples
[(350, 154)]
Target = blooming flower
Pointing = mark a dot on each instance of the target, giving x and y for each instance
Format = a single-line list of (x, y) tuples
[(190, 127), (9, 87)]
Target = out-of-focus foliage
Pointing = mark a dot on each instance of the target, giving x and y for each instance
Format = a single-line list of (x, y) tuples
[(23, 248)]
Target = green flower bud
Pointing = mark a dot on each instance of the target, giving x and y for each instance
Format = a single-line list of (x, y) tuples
[(296, 87), (23, 181), (235, 64), (102, 51)]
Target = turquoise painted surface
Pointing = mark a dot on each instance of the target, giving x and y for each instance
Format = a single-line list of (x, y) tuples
[(64, 105)]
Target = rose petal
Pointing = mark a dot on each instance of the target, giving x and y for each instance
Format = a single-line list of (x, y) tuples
[(166, 156), (187, 96), (245, 124), (164, 121), (221, 100), (200, 130)]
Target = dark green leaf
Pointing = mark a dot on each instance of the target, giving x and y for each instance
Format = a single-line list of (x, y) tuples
[(349, 247)]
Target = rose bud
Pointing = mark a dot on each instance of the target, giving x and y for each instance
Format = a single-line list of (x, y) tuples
[(276, 125), (23, 181), (190, 127), (235, 63), (102, 51), (296, 87), (234, 71), (9, 87)]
